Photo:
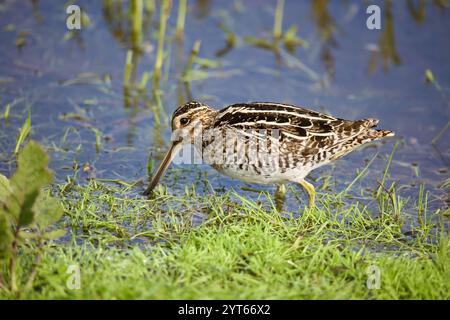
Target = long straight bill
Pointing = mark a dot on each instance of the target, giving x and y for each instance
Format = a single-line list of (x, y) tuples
[(174, 148)]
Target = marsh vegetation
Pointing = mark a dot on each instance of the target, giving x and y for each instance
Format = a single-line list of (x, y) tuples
[(97, 102)]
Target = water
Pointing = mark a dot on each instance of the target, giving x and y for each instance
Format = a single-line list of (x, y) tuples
[(73, 85)]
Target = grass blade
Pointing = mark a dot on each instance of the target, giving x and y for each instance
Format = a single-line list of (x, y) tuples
[(24, 132)]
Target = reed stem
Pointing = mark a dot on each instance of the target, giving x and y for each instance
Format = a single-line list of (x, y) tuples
[(144, 80), (136, 7), (128, 69), (194, 53), (182, 7), (277, 27), (149, 6), (161, 38)]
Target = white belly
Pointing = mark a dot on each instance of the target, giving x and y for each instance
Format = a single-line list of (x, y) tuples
[(261, 176), (247, 161)]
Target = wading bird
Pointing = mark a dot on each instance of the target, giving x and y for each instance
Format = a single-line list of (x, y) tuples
[(265, 142)]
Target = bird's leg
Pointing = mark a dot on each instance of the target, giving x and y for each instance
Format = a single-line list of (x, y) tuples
[(280, 196), (310, 190)]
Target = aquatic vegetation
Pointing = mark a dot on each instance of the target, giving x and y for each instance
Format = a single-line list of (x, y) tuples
[(149, 6), (196, 246), (230, 41), (194, 53), (99, 101), (136, 12), (289, 38), (128, 68), (6, 112), (388, 49), (23, 133), (182, 7), (291, 41), (277, 27), (429, 78), (440, 134), (165, 11)]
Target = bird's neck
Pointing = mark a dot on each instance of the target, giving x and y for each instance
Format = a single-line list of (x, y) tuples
[(208, 118)]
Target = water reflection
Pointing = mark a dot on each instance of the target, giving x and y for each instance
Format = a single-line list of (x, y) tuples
[(130, 24), (326, 27), (388, 49), (202, 9), (417, 12), (142, 112), (119, 18), (184, 93), (36, 12)]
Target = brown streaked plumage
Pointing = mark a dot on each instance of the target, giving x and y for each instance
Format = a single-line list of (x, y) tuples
[(266, 142)]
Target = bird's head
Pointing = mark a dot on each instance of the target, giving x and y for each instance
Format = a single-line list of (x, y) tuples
[(187, 116), (188, 122)]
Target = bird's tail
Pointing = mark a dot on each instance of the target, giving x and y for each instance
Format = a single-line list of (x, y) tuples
[(375, 133), (365, 136)]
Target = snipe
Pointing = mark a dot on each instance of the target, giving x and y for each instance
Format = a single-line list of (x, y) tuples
[(265, 142)]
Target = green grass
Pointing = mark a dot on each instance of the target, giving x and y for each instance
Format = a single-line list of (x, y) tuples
[(130, 248), (127, 247)]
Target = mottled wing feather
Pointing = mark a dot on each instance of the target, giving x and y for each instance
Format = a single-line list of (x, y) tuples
[(293, 122), (302, 132)]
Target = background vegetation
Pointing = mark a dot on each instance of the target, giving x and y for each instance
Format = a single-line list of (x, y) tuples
[(90, 235)]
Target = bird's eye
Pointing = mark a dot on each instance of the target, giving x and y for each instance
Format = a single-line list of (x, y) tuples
[(184, 121)]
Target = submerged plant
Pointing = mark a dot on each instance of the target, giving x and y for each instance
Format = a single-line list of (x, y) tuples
[(26, 212), (289, 38)]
